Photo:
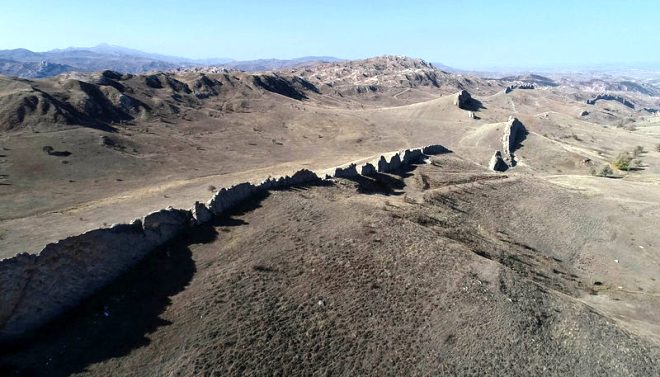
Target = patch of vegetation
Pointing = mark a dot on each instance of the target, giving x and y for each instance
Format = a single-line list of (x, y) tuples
[(657, 148), (623, 161), (638, 151), (627, 161), (604, 171)]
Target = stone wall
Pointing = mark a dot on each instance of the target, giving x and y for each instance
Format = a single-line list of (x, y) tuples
[(514, 132), (36, 288), (462, 99), (610, 97)]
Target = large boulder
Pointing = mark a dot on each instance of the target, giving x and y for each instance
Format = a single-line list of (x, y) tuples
[(162, 226), (462, 100), (497, 163), (434, 149)]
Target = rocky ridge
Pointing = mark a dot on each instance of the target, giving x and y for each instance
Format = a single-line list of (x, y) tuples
[(39, 287)]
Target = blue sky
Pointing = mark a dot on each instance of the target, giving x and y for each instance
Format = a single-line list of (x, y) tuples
[(469, 34)]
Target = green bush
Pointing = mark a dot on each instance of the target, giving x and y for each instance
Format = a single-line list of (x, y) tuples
[(623, 161)]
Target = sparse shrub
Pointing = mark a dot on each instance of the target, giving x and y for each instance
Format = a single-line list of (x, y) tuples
[(605, 171), (657, 148), (638, 151), (211, 188), (636, 163), (623, 161)]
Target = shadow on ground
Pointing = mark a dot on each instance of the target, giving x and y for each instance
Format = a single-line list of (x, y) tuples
[(119, 318)]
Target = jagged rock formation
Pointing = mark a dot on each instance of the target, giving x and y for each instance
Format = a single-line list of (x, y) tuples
[(39, 287), (497, 163), (525, 85), (349, 171), (462, 100), (200, 214), (514, 132), (610, 97), (368, 169)]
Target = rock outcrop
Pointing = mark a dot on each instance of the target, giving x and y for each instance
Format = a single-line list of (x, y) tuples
[(514, 133), (610, 97), (497, 163), (200, 214), (522, 85), (36, 288), (349, 171), (368, 169), (525, 85), (462, 99)]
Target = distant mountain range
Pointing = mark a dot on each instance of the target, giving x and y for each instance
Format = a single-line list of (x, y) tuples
[(28, 64)]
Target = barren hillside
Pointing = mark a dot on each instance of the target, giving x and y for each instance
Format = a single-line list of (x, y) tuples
[(546, 267)]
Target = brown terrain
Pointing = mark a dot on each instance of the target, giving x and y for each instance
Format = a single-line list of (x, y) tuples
[(443, 268)]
